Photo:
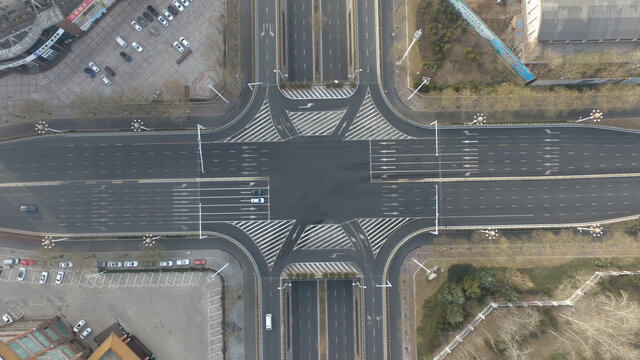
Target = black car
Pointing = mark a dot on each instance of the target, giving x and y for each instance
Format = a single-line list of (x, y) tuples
[(126, 57), (101, 264), (258, 192), (142, 21), (109, 71), (147, 16), (172, 10), (153, 11)]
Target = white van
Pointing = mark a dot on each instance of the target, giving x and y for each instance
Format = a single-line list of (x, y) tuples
[(121, 42), (106, 80), (268, 322)]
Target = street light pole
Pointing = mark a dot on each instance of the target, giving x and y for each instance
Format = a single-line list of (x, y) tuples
[(596, 115), (200, 148), (436, 124), (425, 81), (416, 36), (437, 212), (430, 273), (200, 220), (48, 241), (217, 93)]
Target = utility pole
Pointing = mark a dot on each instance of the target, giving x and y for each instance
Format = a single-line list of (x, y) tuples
[(200, 148), (437, 213), (416, 36)]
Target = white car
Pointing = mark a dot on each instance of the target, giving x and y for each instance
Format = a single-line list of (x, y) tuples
[(7, 318), (178, 47), (163, 21), (166, 263), (182, 262), (79, 326), (131, 263), (60, 277), (85, 333), (167, 14), (44, 277), (136, 26), (185, 2), (185, 42), (137, 46), (66, 264), (257, 200), (94, 67), (177, 5), (21, 274)]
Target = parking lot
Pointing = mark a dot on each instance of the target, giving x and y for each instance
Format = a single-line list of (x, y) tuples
[(201, 24)]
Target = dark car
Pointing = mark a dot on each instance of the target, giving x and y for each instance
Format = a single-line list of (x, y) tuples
[(126, 57), (258, 192), (153, 11), (147, 16), (101, 264), (28, 208), (148, 264), (89, 72), (109, 71), (142, 21), (172, 10)]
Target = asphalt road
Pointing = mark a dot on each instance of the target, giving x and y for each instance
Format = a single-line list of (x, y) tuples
[(340, 320), (304, 320), (334, 40), (300, 47)]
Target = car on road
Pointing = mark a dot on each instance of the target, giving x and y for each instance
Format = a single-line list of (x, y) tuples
[(101, 264), (136, 26), (258, 192), (142, 21), (28, 208), (60, 277), (166, 263), (79, 326), (182, 262), (131, 263), (109, 71), (184, 42), (22, 273), (153, 11), (199, 262), (89, 72), (126, 57), (27, 262), (178, 47), (178, 5), (137, 46), (44, 277), (94, 67), (7, 318), (163, 21), (67, 264), (148, 17), (257, 200), (167, 14), (114, 264), (85, 333), (105, 80), (172, 10)]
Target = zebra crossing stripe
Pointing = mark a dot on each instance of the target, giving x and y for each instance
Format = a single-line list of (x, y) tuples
[(315, 122), (324, 237), (319, 268), (261, 128), (318, 92), (379, 230), (267, 235), (370, 124)]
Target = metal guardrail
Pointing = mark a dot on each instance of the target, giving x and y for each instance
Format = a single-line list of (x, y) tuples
[(569, 302)]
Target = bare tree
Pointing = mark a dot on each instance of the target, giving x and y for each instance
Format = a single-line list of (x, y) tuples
[(514, 327)]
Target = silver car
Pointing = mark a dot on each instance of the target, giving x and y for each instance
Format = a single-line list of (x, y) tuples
[(178, 47), (44, 277), (137, 46), (67, 264), (94, 67), (166, 263), (163, 21)]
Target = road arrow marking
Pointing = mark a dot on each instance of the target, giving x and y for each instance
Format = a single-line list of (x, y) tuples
[(550, 132), (469, 133), (387, 151), (547, 140), (469, 141)]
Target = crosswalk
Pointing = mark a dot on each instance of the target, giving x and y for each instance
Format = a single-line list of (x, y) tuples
[(315, 122), (260, 129), (319, 268), (324, 237), (370, 124), (379, 230), (319, 92), (267, 235)]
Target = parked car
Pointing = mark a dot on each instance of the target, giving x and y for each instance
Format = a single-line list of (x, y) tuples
[(89, 72), (167, 14), (85, 333), (59, 277), (101, 264), (136, 26), (142, 21), (137, 46), (178, 47), (163, 21), (27, 262), (131, 263), (22, 273), (185, 42), (126, 57), (28, 208), (182, 262), (185, 2), (114, 264), (67, 264), (44, 277), (178, 5), (152, 10), (258, 192), (199, 262), (166, 263), (79, 326), (105, 80), (109, 71), (172, 10), (7, 318), (153, 31), (147, 16), (257, 200), (94, 67), (148, 264)]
